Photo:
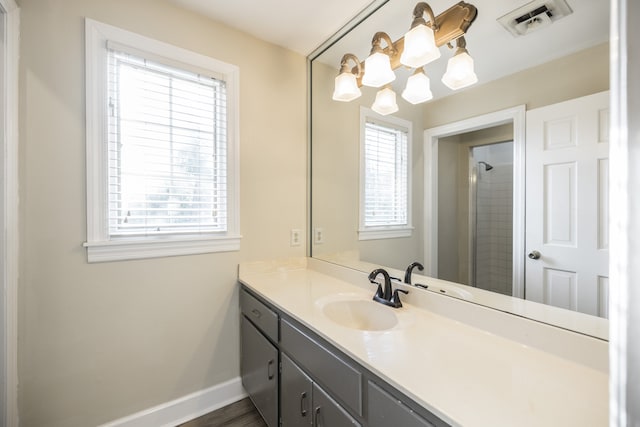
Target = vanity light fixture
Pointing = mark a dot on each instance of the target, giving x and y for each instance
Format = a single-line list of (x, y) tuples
[(346, 83), (418, 89), (419, 46), (460, 71), (420, 42), (385, 102), (377, 67)]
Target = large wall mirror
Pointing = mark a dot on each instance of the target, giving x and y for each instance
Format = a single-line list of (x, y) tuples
[(463, 188)]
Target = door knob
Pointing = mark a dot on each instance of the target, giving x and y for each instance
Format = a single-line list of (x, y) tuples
[(534, 255)]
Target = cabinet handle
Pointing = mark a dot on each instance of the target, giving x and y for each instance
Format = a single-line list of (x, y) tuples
[(269, 369), (303, 397), (256, 313), (316, 418)]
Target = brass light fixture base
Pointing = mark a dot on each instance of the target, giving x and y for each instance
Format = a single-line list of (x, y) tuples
[(451, 24)]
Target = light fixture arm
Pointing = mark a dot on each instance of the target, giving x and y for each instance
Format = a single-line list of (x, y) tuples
[(461, 45), (377, 40), (418, 16), (418, 70), (344, 65)]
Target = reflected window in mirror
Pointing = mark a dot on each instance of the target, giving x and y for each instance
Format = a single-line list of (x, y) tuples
[(385, 198)]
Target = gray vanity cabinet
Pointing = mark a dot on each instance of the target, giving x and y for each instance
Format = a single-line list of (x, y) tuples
[(304, 404), (295, 378), (259, 359), (386, 410)]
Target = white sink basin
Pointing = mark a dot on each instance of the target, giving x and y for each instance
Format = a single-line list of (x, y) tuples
[(361, 314)]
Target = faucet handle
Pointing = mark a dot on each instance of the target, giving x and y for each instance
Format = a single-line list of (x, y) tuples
[(395, 300), (379, 292)]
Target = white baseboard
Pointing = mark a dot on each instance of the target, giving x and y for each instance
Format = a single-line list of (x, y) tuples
[(186, 408)]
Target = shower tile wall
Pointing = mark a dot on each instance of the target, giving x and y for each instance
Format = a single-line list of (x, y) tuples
[(494, 229)]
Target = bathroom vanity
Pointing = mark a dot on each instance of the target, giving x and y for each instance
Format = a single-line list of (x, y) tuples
[(318, 384), (317, 351)]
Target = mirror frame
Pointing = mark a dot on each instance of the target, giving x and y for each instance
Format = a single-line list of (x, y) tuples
[(588, 325)]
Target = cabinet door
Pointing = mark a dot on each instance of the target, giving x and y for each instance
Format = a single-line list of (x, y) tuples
[(295, 395), (259, 370), (386, 410), (327, 412)]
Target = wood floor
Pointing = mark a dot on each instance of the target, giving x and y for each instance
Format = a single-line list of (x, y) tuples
[(239, 414)]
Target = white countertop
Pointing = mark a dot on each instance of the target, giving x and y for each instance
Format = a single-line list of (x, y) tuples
[(463, 374)]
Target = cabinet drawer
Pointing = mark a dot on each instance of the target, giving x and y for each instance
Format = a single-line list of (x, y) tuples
[(260, 315), (336, 376)]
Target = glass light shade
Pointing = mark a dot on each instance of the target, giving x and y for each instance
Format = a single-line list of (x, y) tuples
[(419, 47), (418, 89), (377, 70), (346, 88), (385, 102), (460, 72)]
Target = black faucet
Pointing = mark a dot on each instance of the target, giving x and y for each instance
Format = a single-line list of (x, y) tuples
[(385, 296), (407, 274)]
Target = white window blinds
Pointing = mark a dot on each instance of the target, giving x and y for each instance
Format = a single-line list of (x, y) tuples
[(385, 189), (167, 149)]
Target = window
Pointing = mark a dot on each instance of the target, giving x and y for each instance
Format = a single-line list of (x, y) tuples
[(385, 188), (161, 149)]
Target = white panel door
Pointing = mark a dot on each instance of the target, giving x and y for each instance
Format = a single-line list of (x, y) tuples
[(567, 214)]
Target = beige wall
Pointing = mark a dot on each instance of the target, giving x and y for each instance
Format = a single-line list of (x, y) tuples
[(579, 74), (448, 209), (102, 341), (336, 160), (335, 170)]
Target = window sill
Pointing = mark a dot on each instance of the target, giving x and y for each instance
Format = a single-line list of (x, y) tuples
[(384, 233), (129, 249)]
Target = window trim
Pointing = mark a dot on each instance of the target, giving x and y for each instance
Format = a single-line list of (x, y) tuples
[(100, 247), (390, 231)]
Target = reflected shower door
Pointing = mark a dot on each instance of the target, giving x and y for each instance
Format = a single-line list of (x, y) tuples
[(491, 217)]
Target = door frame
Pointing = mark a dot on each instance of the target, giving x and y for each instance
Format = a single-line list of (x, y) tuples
[(515, 115), (10, 15), (624, 264)]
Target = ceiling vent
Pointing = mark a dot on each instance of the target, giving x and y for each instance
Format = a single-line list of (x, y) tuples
[(534, 16)]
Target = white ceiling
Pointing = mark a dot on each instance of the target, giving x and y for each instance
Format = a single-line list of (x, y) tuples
[(303, 25), (299, 25)]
